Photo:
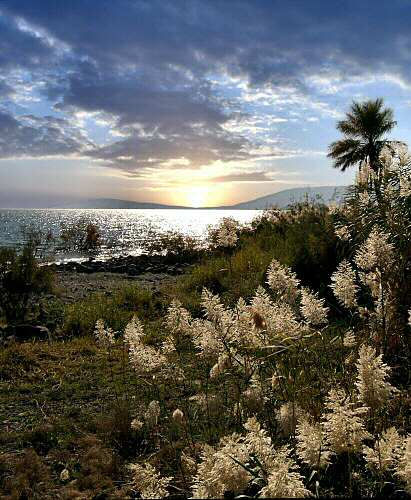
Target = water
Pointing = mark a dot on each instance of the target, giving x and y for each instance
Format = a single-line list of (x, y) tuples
[(122, 230)]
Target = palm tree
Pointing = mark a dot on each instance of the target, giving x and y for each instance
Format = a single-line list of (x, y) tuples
[(364, 129)]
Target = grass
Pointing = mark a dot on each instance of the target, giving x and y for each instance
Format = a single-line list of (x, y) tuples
[(68, 404), (54, 397), (116, 311)]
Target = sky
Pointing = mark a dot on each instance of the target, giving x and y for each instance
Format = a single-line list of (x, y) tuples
[(193, 102)]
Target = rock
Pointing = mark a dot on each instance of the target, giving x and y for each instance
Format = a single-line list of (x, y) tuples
[(31, 332), (132, 269)]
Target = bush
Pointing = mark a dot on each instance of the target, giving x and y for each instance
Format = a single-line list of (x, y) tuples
[(30, 479), (22, 282), (83, 237), (176, 246), (302, 238)]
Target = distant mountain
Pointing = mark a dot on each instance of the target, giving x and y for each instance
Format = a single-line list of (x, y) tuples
[(114, 203), (282, 199)]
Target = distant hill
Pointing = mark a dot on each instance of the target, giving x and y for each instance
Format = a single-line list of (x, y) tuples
[(282, 199), (114, 203)]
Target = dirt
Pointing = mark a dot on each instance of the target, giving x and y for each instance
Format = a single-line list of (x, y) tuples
[(72, 286)]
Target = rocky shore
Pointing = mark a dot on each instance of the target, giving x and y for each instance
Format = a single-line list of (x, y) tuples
[(129, 265), (77, 280)]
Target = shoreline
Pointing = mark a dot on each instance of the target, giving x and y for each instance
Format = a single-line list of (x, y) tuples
[(129, 265), (78, 280)]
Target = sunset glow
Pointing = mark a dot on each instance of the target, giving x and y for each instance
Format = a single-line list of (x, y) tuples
[(158, 105), (197, 196)]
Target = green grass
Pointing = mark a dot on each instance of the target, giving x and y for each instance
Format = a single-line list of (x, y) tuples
[(116, 311)]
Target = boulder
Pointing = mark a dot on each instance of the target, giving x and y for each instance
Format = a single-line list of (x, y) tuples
[(31, 332)]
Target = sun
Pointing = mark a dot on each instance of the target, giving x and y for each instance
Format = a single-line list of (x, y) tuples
[(196, 196)]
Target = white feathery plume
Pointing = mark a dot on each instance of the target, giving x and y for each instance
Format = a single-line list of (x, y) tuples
[(311, 443), (104, 336), (386, 451), (349, 339), (342, 232), (178, 319), (343, 424), (343, 285), (372, 385), (178, 416), (312, 308), (144, 359), (287, 416), (152, 413), (148, 482), (283, 282), (219, 470), (375, 252)]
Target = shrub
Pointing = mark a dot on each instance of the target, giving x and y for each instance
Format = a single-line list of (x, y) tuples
[(22, 282), (30, 479), (302, 238), (83, 237), (176, 246)]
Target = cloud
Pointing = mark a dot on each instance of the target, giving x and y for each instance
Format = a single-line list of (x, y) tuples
[(257, 176), (155, 75), (268, 42), (31, 136), (20, 48), (5, 90), (154, 105), (196, 146)]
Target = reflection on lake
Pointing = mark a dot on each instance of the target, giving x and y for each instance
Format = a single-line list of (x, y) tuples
[(122, 230)]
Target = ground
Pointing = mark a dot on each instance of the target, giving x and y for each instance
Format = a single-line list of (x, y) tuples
[(61, 398), (75, 286)]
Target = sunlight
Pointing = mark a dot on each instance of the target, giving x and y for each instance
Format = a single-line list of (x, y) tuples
[(196, 196)]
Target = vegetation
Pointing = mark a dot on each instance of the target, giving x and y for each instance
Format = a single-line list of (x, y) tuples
[(22, 280), (364, 129), (277, 367), (176, 246), (83, 237)]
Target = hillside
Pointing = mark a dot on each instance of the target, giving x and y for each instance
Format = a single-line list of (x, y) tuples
[(281, 200), (115, 203)]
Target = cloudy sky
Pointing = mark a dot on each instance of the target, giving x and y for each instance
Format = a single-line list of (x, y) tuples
[(188, 102)]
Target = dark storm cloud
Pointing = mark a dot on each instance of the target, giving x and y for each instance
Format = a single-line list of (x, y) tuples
[(267, 40), (32, 136), (19, 48), (134, 102), (145, 64)]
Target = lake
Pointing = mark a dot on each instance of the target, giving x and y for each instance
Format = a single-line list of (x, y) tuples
[(122, 230)]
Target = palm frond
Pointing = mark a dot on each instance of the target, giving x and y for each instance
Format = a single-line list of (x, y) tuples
[(364, 128)]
